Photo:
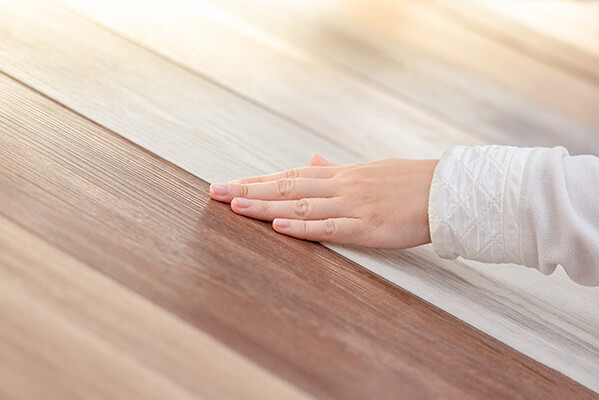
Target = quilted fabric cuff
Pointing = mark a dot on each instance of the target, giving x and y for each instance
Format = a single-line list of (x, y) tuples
[(474, 203)]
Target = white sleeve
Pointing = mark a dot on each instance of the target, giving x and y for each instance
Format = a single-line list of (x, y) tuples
[(537, 207)]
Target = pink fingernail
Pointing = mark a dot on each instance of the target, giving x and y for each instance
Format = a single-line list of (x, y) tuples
[(242, 203), (282, 223), (220, 190)]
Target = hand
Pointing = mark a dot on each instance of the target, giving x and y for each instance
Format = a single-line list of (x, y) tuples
[(378, 204)]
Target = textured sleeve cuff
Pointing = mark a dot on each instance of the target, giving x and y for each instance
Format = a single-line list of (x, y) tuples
[(474, 203)]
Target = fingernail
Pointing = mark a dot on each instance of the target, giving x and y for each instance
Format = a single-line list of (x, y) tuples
[(242, 203), (282, 223), (220, 190)]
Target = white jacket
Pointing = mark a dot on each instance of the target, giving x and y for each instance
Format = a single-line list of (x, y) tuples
[(537, 207)]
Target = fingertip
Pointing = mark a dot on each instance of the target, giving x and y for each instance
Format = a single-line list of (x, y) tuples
[(281, 224), (234, 206), (315, 159), (219, 191), (320, 161), (239, 204), (212, 193)]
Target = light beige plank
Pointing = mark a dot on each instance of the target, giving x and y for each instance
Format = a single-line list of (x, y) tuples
[(424, 27), (531, 41), (283, 78), (573, 22), (483, 108), (69, 332)]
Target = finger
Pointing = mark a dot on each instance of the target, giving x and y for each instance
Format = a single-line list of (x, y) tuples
[(282, 189), (305, 172), (315, 208), (338, 230), (318, 160)]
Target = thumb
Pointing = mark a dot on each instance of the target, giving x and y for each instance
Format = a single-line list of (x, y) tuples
[(318, 161)]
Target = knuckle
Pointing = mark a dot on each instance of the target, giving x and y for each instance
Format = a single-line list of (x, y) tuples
[(301, 207), (303, 231), (330, 227), (243, 190), (265, 207), (284, 187), (292, 173)]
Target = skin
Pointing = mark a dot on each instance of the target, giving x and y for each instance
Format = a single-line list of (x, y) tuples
[(380, 204)]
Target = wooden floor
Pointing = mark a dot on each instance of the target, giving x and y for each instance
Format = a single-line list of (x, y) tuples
[(121, 279)]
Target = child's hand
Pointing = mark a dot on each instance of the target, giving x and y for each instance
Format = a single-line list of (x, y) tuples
[(377, 204)]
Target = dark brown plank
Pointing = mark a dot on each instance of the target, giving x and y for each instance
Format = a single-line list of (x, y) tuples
[(60, 340), (306, 313)]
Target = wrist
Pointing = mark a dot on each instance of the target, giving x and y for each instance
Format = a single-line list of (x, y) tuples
[(428, 179)]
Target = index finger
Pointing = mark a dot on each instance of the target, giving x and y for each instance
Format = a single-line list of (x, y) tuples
[(283, 189), (305, 172)]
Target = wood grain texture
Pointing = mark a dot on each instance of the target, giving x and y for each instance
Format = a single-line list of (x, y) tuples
[(550, 319), (419, 25), (146, 98), (69, 332), (577, 20), (528, 29), (336, 105), (535, 79), (462, 98), (317, 319)]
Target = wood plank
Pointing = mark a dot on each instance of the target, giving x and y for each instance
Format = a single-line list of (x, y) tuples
[(418, 27), (526, 29), (214, 134), (464, 100), (338, 106), (422, 26), (314, 317), (516, 305), (572, 22), (70, 332)]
